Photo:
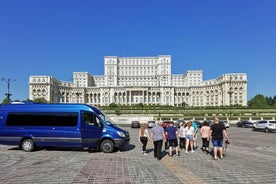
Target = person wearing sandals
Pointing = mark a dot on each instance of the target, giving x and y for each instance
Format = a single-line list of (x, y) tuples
[(217, 133)]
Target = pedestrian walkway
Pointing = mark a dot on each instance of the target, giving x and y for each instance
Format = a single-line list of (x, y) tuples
[(130, 166)]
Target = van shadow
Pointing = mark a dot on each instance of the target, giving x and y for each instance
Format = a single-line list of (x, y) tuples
[(50, 148), (14, 148), (127, 148), (89, 150)]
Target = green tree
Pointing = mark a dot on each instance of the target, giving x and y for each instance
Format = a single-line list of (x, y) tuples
[(259, 101), (274, 101), (40, 100), (5, 101), (117, 112), (140, 105), (113, 105), (184, 104), (269, 101)]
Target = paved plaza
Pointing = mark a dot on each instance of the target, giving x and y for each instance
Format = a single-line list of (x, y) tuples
[(250, 158)]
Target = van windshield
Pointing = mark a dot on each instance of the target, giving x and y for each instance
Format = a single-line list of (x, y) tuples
[(106, 118)]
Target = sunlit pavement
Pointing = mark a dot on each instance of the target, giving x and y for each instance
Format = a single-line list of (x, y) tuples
[(249, 158)]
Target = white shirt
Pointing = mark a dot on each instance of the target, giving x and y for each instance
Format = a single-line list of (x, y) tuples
[(182, 132), (189, 131)]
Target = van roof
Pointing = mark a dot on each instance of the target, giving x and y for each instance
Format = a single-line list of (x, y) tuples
[(39, 107)]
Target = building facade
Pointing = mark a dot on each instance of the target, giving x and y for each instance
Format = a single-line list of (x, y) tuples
[(147, 80)]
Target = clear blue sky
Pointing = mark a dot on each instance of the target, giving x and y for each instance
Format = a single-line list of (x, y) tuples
[(59, 37)]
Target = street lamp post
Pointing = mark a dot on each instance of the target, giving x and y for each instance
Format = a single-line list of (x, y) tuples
[(8, 94), (158, 95), (230, 92), (159, 98)]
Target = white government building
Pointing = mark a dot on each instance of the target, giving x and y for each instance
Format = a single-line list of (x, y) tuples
[(147, 80)]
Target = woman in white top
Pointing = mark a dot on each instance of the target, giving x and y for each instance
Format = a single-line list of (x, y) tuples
[(144, 136), (182, 136), (189, 135)]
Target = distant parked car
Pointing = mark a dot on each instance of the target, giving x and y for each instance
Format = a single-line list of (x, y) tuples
[(265, 125), (181, 122), (177, 124), (135, 124), (254, 125), (244, 124), (151, 124), (225, 123)]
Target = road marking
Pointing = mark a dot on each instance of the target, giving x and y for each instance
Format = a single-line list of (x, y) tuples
[(183, 174)]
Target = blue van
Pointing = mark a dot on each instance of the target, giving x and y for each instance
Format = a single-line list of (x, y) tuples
[(59, 125)]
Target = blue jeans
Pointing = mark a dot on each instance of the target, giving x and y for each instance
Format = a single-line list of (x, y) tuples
[(217, 143)]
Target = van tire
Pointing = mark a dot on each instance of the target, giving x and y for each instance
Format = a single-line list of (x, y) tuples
[(27, 145), (266, 130), (107, 146)]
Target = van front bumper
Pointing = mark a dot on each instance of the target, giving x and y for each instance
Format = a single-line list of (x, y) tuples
[(120, 143)]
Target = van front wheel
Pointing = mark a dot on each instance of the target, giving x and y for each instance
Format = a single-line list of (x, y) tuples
[(107, 146), (27, 145)]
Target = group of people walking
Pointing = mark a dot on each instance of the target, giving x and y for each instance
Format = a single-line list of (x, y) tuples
[(187, 135)]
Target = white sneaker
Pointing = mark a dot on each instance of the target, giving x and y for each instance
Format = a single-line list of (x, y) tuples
[(193, 151), (186, 151), (145, 154)]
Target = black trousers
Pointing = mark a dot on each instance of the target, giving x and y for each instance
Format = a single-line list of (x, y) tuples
[(144, 141), (205, 143), (157, 148), (182, 142)]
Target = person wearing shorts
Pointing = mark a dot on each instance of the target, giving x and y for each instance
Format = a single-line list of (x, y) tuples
[(217, 133), (172, 134), (189, 136)]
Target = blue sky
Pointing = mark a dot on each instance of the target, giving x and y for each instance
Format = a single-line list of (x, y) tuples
[(59, 37)]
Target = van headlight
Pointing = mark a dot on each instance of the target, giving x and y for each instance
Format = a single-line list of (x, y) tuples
[(121, 134)]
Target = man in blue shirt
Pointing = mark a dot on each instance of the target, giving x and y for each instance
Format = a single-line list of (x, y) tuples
[(172, 133)]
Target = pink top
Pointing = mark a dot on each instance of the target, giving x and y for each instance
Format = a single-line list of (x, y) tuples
[(204, 131)]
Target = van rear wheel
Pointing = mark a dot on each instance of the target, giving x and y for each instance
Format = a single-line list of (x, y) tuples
[(27, 145), (107, 146)]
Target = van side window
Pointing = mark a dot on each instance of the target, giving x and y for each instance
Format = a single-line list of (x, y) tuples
[(90, 119), (42, 119)]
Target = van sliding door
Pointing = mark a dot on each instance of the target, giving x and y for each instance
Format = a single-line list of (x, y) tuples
[(91, 129)]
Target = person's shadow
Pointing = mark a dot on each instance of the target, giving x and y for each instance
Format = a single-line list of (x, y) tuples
[(163, 153)]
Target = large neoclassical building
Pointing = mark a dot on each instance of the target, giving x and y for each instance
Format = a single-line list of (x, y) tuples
[(147, 80)]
